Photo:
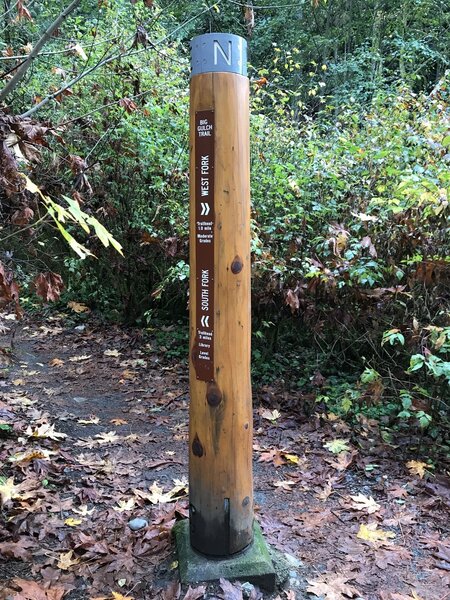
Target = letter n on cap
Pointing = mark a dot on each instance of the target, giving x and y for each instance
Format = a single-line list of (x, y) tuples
[(218, 49)]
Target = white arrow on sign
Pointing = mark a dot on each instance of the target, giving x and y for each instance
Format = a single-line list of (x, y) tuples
[(205, 321), (205, 208)]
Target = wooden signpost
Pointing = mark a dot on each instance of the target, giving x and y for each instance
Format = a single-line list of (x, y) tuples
[(220, 429)]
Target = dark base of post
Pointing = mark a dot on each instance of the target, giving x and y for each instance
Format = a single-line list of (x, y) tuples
[(252, 564)]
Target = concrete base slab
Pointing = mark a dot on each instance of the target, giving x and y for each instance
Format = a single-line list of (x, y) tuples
[(252, 564)]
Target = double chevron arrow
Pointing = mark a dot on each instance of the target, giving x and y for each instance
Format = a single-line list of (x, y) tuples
[(205, 321), (205, 208)]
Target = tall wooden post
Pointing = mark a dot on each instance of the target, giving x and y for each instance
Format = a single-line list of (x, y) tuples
[(220, 429)]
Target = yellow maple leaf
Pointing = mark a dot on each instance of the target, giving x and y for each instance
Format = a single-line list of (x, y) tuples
[(118, 596), (416, 467), (78, 307), (67, 560), (371, 533), (293, 458), (73, 522)]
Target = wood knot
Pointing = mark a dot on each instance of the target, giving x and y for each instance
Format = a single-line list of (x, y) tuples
[(237, 265), (213, 394), (197, 448)]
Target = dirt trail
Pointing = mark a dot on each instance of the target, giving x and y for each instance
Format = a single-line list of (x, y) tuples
[(97, 436)]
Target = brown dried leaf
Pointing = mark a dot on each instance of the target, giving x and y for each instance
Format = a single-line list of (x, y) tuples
[(231, 591), (23, 12), (49, 286), (22, 216), (128, 105), (292, 301), (195, 593), (332, 587), (18, 549), (33, 591)]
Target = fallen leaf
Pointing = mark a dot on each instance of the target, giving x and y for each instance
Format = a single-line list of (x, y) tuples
[(119, 422), (274, 455), (80, 358), (284, 485), (325, 493), (124, 505), (46, 431), (337, 446), (416, 467), (83, 510), (332, 587), (33, 591), (231, 591), (368, 504), (73, 522), (78, 307), (270, 415), (107, 438), (195, 593), (93, 420), (343, 460), (111, 353), (157, 494), (371, 533), (67, 560), (293, 458), (18, 549), (127, 375), (56, 362), (29, 455)]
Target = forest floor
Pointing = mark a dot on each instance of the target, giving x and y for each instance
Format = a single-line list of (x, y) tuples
[(93, 433)]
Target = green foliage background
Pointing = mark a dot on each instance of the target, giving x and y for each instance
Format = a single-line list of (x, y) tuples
[(350, 181)]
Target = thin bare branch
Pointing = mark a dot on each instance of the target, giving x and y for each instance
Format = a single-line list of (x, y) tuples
[(12, 83)]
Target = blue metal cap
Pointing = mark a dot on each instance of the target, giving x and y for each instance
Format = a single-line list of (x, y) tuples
[(219, 52)]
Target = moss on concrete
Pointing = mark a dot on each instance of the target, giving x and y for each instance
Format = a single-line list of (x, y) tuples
[(254, 564)]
